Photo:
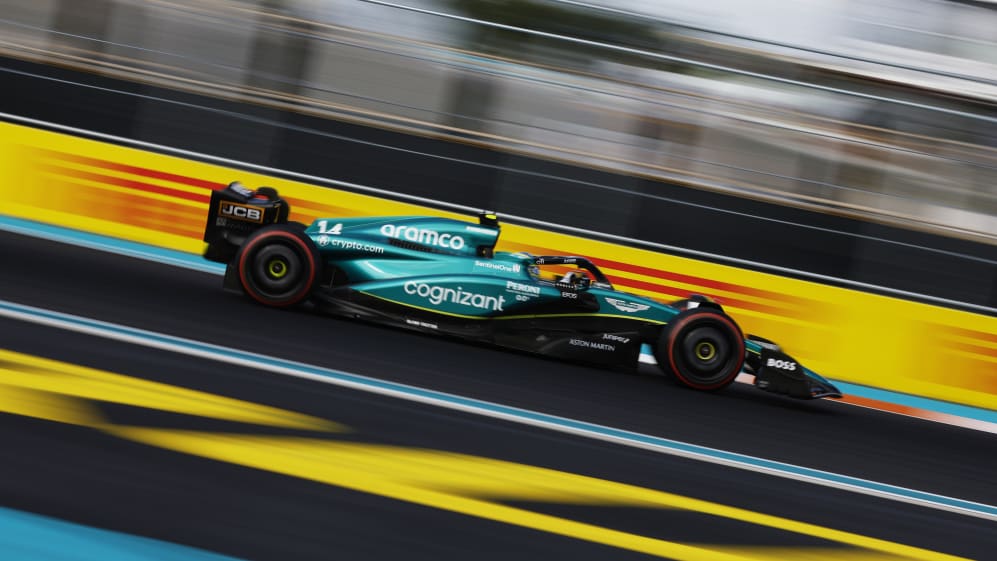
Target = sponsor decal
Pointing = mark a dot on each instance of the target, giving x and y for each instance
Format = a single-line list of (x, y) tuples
[(423, 236), (522, 288), (556, 260), (418, 323), (614, 337), (592, 345), (237, 211), (569, 295), (626, 306), (781, 364), (324, 228), (504, 267), (439, 294), (523, 292), (340, 243)]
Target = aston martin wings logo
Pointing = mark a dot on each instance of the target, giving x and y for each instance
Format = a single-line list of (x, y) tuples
[(624, 306)]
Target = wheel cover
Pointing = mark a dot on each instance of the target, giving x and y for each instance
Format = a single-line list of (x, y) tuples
[(277, 268), (705, 353), (703, 350), (706, 350), (276, 271)]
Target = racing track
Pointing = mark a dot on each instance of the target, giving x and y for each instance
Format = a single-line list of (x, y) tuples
[(103, 475), (94, 475)]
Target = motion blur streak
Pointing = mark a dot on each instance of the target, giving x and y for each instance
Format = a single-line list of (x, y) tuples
[(29, 536), (466, 484), (47, 389), (671, 58), (313, 211), (856, 135), (476, 486), (492, 410), (155, 199)]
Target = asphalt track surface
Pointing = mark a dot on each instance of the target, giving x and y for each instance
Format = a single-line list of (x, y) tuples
[(811, 243), (88, 476)]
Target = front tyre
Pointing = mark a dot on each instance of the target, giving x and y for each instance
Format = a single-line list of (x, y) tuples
[(278, 266), (701, 348)]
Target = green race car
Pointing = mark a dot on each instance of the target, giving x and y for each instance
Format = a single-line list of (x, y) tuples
[(442, 275)]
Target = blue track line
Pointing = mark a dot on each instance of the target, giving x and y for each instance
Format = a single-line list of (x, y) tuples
[(474, 406), (108, 244), (32, 537)]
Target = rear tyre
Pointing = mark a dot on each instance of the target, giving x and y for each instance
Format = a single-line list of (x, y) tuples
[(701, 348), (278, 266)]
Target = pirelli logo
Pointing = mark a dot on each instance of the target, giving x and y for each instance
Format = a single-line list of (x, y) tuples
[(240, 212)]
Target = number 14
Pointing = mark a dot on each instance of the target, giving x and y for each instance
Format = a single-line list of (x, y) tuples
[(323, 228)]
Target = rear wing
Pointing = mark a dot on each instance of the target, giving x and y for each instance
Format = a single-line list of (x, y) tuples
[(234, 213)]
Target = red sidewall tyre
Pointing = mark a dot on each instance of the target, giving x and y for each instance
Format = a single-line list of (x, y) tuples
[(278, 266), (706, 331)]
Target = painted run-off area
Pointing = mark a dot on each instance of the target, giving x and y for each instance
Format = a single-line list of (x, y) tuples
[(867, 340)]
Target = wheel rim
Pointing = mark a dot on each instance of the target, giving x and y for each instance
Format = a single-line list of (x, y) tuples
[(276, 271), (706, 353), (706, 350), (277, 268)]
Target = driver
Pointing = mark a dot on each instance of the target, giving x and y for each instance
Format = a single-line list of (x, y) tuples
[(576, 279), (571, 277)]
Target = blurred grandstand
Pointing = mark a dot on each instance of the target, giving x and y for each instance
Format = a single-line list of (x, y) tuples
[(882, 109)]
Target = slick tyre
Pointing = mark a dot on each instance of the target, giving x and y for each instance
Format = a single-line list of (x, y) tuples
[(278, 266), (702, 349)]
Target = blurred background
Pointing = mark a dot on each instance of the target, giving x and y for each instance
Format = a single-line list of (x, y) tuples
[(881, 109), (824, 168)]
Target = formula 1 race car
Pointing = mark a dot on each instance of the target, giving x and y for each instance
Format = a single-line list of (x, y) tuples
[(442, 275)]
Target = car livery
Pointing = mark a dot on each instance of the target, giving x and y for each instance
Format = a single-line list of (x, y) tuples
[(445, 276)]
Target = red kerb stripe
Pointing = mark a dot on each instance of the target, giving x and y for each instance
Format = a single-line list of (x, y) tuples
[(144, 172), (682, 293), (974, 349), (689, 279), (972, 334), (132, 184)]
